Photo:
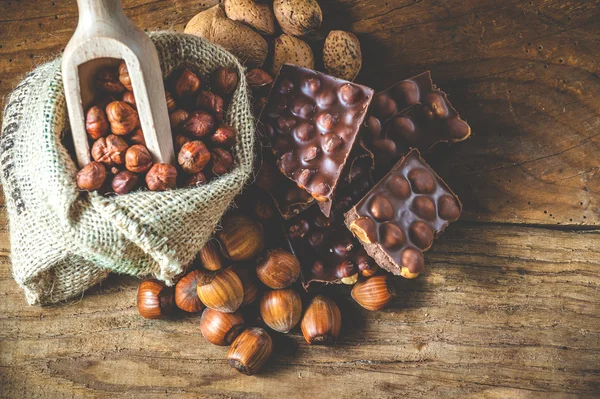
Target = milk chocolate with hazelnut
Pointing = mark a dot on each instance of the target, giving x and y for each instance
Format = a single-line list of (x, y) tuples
[(400, 216), (312, 121)]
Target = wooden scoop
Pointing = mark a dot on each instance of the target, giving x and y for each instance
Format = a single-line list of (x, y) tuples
[(105, 36)]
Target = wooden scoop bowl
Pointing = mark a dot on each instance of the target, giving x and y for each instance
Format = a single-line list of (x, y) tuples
[(105, 36)]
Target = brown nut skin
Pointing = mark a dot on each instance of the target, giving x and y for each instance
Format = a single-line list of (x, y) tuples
[(177, 119), (193, 157), (210, 256), (154, 299), (161, 177), (110, 150), (364, 229), (250, 284), (129, 98), (221, 290), (138, 159), (221, 161), (241, 238), (250, 351), (96, 123), (198, 124), (279, 269), (187, 84), (221, 328), (322, 321), (91, 177), (258, 77), (137, 137), (374, 293), (124, 76), (179, 141), (211, 102), (171, 104), (186, 297), (224, 80), (195, 180), (281, 310), (124, 182), (122, 117), (224, 136), (107, 80)]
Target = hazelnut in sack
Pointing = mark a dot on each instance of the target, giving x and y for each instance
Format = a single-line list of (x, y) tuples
[(121, 213)]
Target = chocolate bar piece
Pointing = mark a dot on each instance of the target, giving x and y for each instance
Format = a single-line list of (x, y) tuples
[(429, 118), (312, 120), (397, 220)]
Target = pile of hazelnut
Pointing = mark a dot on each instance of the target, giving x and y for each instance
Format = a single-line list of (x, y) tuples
[(203, 143), (233, 273)]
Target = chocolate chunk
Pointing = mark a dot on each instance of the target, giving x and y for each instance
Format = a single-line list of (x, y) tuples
[(399, 217), (308, 110)]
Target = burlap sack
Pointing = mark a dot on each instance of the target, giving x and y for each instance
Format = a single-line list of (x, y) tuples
[(63, 242)]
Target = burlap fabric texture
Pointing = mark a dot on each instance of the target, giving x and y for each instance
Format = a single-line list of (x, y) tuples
[(64, 241)]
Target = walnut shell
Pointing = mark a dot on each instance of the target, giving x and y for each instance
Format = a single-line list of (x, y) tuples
[(291, 50), (341, 54), (258, 16), (298, 17), (245, 43)]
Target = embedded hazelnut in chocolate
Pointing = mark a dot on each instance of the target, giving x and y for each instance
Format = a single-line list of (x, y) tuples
[(385, 149), (304, 131), (287, 163), (349, 93), (391, 235), (412, 263), (310, 154), (381, 209), (399, 186), (326, 98), (383, 105), (421, 234), (422, 181), (304, 177), (364, 228), (403, 127), (447, 208), (326, 121), (435, 106), (373, 126), (285, 86), (320, 191), (424, 208), (286, 123), (303, 108), (407, 91), (311, 85), (331, 142), (277, 104), (457, 129)]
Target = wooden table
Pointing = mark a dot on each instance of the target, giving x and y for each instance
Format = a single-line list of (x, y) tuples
[(510, 303)]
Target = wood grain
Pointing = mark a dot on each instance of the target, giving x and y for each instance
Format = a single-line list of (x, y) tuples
[(509, 304)]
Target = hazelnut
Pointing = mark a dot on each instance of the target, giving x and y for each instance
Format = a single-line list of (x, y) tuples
[(124, 182), (180, 140), (138, 159), (186, 297), (221, 328), (96, 123), (154, 299), (222, 161), (224, 81), (195, 180), (123, 119), (210, 256), (347, 272), (211, 102), (279, 269), (124, 76), (224, 136), (161, 177), (250, 284), (322, 321), (176, 118), (281, 309), (258, 78), (107, 80), (241, 238), (129, 98), (187, 84), (250, 351), (263, 210), (221, 290), (193, 156), (171, 104), (109, 150), (91, 177), (199, 124), (374, 293), (137, 137)]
